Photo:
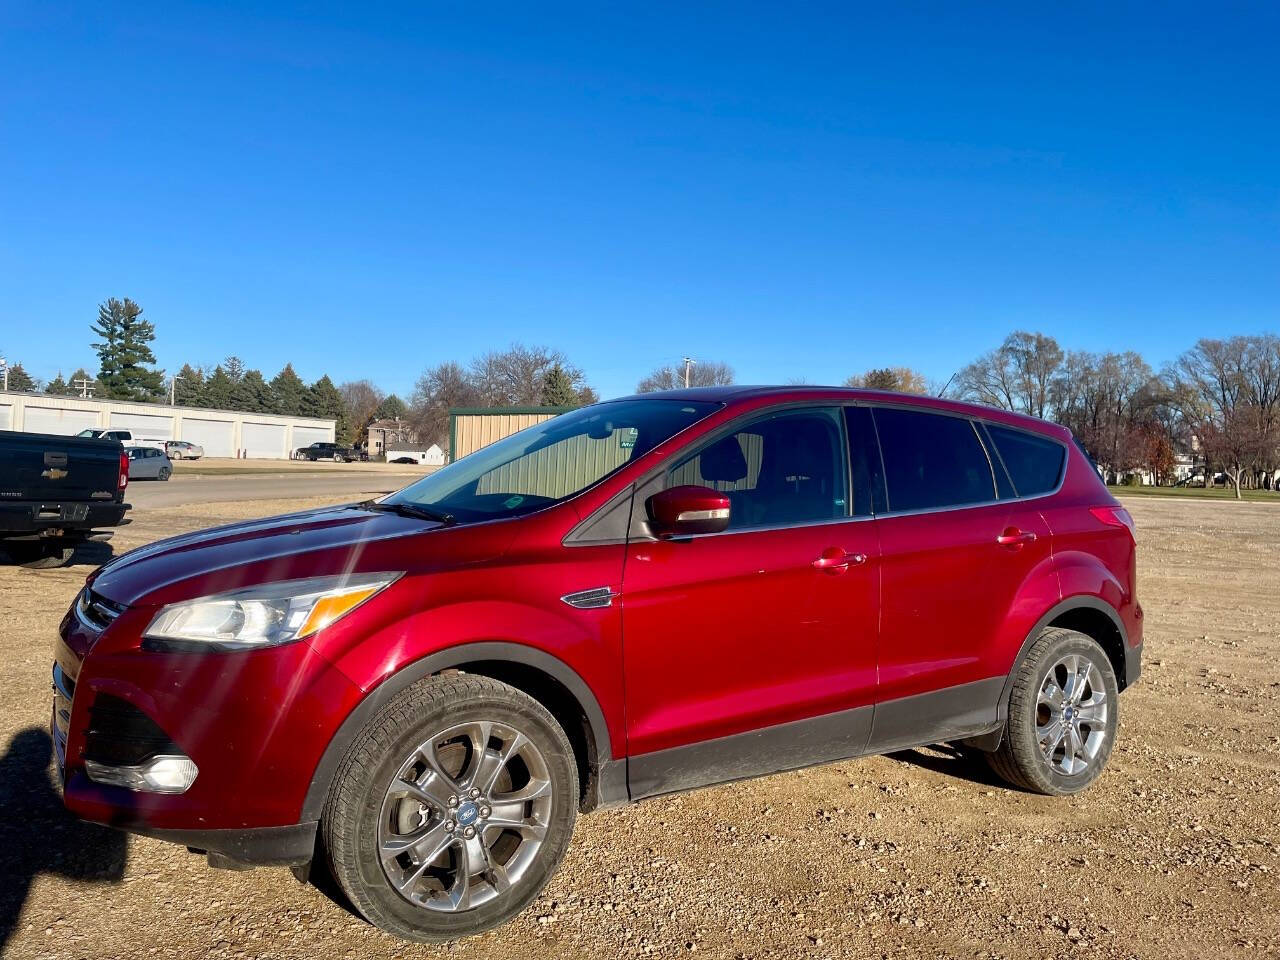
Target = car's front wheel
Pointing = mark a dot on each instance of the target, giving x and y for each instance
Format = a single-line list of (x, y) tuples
[(1062, 715), (451, 809)]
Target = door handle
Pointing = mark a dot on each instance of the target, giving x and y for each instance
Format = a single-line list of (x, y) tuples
[(835, 560), (1013, 537)]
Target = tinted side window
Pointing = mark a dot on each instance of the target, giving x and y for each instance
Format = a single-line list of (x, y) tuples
[(932, 460), (1034, 463), (783, 469), (864, 462)]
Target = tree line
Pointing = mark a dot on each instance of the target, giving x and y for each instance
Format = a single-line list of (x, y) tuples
[(1219, 400)]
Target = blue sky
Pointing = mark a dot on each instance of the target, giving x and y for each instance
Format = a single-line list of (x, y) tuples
[(799, 190)]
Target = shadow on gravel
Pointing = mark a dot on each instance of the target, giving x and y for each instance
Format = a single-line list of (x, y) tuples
[(38, 836), (948, 760), (93, 553)]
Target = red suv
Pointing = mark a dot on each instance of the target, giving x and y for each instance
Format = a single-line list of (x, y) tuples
[(642, 596)]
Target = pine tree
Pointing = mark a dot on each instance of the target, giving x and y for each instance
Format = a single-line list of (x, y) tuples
[(252, 393), (124, 351), (557, 388), (190, 387), (57, 387), (392, 408), (324, 400), (289, 392), (234, 367), (19, 379), (217, 390)]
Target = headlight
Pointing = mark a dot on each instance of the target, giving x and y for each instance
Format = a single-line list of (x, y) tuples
[(267, 615)]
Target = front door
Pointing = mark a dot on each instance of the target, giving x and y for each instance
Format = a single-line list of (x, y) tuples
[(753, 650)]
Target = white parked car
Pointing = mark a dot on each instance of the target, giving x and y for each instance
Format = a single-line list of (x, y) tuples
[(183, 450), (126, 437)]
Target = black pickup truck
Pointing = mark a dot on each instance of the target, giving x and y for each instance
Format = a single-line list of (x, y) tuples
[(57, 492)]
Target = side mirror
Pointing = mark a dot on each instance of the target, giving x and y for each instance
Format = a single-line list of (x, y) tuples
[(682, 511)]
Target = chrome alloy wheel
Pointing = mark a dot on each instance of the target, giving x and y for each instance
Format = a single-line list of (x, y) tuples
[(1071, 715), (465, 816)]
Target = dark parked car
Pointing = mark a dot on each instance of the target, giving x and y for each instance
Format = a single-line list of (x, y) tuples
[(325, 451), (638, 597), (57, 492)]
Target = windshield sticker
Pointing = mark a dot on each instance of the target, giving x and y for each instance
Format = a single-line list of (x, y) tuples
[(512, 502), (627, 437)]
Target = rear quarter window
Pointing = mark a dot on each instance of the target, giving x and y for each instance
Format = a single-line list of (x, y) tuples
[(1034, 463)]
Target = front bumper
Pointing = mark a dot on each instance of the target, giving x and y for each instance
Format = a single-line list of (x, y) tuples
[(255, 723)]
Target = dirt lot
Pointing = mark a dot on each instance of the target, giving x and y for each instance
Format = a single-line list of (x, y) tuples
[(1174, 852)]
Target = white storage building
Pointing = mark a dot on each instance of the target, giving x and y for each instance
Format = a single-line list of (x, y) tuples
[(222, 433)]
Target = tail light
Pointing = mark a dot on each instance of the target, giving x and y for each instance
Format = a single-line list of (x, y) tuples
[(1115, 517), (124, 470)]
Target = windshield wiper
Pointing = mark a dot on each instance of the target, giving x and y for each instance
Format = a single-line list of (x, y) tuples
[(412, 510)]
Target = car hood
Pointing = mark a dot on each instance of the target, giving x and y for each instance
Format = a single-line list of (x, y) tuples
[(311, 543)]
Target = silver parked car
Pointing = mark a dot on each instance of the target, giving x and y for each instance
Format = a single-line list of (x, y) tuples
[(148, 463), (183, 450)]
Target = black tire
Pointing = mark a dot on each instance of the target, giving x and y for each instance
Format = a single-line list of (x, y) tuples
[(165, 473), (351, 822), (40, 555), (1021, 759), (338, 458)]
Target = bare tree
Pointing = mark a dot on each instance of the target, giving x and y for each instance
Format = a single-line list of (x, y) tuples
[(897, 379), (1106, 400), (518, 375), (361, 399), (1227, 392), (704, 373), (437, 391), (1018, 375)]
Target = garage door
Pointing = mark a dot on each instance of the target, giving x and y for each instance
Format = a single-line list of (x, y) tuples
[(6, 416), (58, 420), (306, 436), (263, 441), (144, 426), (216, 436)]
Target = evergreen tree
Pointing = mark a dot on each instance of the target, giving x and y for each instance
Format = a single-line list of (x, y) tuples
[(217, 390), (392, 408), (558, 389), (57, 387), (324, 400), (124, 352), (190, 386), (19, 379), (289, 392), (234, 368), (252, 393)]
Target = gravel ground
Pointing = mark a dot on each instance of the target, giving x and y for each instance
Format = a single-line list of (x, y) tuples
[(1173, 852)]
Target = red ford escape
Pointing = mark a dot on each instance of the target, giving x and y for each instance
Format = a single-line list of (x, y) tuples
[(642, 596)]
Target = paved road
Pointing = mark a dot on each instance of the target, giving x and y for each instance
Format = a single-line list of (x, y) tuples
[(268, 486)]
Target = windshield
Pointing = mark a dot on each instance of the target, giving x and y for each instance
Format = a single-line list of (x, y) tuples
[(551, 461)]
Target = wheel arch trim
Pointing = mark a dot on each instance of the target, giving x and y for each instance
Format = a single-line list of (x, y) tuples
[(515, 653), (1067, 605)]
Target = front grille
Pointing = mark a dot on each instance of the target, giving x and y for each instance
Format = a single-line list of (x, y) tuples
[(122, 735), (95, 610)]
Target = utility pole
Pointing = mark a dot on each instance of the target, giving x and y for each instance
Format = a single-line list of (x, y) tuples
[(688, 367), (4, 365), (85, 385), (173, 389)]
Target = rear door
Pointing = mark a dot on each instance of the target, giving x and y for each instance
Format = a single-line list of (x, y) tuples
[(956, 550), (766, 629)]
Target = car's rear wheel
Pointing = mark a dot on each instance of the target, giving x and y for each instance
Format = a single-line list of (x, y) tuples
[(166, 473), (451, 809), (1062, 715)]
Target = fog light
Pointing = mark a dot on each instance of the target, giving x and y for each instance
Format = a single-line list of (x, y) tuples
[(167, 774)]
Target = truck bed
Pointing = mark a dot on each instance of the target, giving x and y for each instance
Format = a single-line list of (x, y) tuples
[(50, 483)]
